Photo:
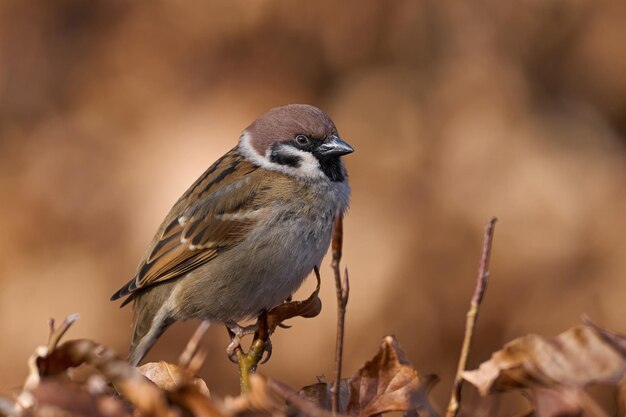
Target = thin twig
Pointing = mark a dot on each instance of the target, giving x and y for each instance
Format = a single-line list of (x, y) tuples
[(249, 361), (294, 399), (472, 317), (57, 334), (197, 361), (343, 291), (191, 350), (51, 328)]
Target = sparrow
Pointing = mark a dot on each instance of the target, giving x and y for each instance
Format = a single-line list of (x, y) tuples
[(246, 234)]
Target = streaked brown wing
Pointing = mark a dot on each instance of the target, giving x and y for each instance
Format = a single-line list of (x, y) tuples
[(212, 216)]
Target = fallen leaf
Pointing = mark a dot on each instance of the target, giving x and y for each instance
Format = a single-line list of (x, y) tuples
[(556, 370), (169, 377), (259, 401), (562, 402), (616, 340), (308, 308), (320, 394), (388, 382), (63, 398), (197, 404), (576, 358), (148, 399)]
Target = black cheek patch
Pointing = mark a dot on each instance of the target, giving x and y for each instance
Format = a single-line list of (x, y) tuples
[(331, 166), (280, 158)]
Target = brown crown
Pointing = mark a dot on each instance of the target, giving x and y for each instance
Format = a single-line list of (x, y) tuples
[(284, 123)]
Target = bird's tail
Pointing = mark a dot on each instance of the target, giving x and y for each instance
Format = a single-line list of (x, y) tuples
[(149, 326)]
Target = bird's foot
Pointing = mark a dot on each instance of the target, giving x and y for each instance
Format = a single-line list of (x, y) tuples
[(267, 351), (260, 345), (236, 333)]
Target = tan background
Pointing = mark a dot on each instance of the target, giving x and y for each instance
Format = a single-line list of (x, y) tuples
[(457, 112)]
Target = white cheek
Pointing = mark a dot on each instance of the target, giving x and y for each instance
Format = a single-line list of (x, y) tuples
[(246, 149), (309, 165)]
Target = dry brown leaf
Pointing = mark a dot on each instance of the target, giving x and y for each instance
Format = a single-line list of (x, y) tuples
[(169, 377), (562, 402), (321, 395), (197, 404), (388, 382), (308, 308), (63, 398), (577, 357), (616, 340), (556, 370), (259, 401), (271, 399), (50, 392), (145, 396)]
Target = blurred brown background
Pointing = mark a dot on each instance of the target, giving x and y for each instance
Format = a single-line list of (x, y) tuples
[(457, 111)]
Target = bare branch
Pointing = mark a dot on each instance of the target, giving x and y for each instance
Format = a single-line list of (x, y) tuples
[(472, 317), (57, 334), (343, 291), (191, 355), (248, 361)]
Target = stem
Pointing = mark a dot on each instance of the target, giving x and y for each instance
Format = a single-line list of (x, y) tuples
[(57, 334), (343, 291), (248, 361), (244, 372), (471, 318), (188, 358)]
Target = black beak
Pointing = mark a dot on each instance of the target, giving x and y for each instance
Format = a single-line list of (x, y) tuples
[(334, 147)]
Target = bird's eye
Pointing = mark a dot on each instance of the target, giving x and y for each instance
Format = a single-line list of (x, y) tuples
[(302, 140)]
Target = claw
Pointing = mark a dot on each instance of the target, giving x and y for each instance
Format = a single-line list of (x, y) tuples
[(235, 343), (268, 350), (233, 346), (236, 332)]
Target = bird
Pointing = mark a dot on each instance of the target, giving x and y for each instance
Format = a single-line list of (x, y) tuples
[(247, 233)]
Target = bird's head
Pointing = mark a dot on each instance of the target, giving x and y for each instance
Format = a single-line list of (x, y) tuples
[(298, 140)]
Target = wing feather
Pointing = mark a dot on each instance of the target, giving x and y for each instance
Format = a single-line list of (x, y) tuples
[(213, 215)]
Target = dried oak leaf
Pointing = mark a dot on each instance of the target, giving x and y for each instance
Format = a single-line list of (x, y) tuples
[(269, 398), (562, 402), (169, 377), (148, 399), (48, 381), (64, 398), (259, 401), (308, 308), (321, 395), (556, 370), (195, 403), (388, 382), (580, 356)]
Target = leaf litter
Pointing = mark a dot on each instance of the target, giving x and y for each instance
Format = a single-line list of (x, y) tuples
[(554, 372)]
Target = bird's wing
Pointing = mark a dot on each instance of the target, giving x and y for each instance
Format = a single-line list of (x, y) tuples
[(212, 216)]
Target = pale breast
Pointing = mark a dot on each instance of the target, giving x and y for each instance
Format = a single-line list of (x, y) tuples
[(273, 260)]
